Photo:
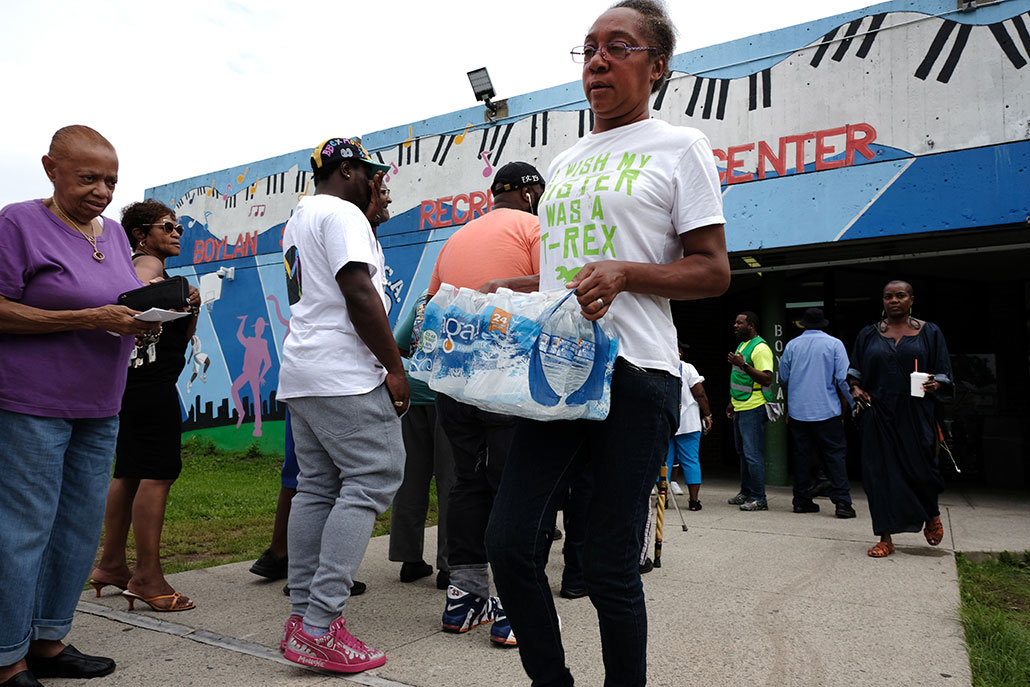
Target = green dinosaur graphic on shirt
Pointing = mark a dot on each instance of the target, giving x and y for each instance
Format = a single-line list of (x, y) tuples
[(567, 275)]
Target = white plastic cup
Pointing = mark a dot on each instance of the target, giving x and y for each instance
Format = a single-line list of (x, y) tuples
[(918, 379)]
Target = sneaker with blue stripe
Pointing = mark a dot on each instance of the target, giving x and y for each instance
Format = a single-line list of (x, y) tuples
[(500, 632), (464, 610)]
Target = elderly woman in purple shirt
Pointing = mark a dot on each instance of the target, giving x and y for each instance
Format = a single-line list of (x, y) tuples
[(65, 357)]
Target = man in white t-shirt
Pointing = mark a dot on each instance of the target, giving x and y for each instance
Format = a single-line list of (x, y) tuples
[(344, 382)]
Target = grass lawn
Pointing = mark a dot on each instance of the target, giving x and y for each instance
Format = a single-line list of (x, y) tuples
[(996, 617), (221, 508)]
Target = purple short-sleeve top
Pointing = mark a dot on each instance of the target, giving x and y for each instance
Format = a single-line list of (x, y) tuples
[(46, 264)]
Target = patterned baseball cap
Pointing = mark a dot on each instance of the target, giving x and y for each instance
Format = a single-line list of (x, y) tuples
[(339, 149)]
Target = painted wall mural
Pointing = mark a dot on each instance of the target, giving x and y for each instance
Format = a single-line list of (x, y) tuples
[(906, 117)]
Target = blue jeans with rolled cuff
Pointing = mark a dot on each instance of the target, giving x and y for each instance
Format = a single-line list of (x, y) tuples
[(623, 453), (55, 477)]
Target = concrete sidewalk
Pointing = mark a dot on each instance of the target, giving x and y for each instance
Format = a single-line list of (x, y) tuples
[(768, 598)]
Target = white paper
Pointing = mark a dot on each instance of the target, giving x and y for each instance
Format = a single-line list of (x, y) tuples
[(159, 315)]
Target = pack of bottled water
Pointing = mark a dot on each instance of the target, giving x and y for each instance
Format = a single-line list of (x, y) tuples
[(528, 354)]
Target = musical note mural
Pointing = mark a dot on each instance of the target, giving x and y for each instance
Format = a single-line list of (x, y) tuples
[(910, 116)]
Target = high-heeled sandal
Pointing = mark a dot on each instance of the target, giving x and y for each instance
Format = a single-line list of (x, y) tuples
[(934, 531), (177, 603), (881, 549), (100, 584)]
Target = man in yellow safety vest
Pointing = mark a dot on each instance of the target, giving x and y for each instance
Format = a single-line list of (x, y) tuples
[(750, 379)]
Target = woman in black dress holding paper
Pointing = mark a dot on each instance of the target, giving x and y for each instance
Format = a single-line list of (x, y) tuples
[(148, 457), (898, 431)]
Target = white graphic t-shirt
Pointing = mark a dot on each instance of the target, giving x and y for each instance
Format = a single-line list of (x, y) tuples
[(690, 411), (628, 194), (323, 354)]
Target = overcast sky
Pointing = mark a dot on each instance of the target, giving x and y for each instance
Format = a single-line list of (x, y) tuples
[(193, 86)]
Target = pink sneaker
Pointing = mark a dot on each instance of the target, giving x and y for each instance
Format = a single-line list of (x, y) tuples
[(338, 650), (292, 623)]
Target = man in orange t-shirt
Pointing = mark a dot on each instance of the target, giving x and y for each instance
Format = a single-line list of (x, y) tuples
[(499, 248), (502, 244)]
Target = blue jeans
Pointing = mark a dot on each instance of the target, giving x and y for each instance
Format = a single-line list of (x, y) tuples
[(480, 442), (624, 453), (749, 438), (290, 471), (55, 476)]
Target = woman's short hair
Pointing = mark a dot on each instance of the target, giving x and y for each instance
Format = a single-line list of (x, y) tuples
[(68, 137), (908, 287), (141, 215), (660, 29)]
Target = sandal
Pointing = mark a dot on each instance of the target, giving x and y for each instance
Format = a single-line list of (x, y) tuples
[(881, 549), (99, 584), (178, 601), (934, 531)]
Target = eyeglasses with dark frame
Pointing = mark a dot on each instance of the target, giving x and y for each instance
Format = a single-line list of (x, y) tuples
[(616, 50), (169, 227)]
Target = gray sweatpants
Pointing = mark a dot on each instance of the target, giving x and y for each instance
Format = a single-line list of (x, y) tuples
[(351, 460)]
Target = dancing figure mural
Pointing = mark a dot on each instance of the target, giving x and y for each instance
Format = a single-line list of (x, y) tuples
[(256, 362), (201, 361)]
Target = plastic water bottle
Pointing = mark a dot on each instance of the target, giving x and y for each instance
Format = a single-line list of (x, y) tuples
[(459, 328), (566, 350)]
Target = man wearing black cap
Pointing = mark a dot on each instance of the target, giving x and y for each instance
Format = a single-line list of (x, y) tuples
[(344, 382), (813, 373), (501, 248)]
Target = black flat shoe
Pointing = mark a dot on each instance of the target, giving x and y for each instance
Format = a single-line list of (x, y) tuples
[(647, 566), (70, 663), (572, 592), (845, 511), (271, 566), (809, 507), (415, 571), (443, 579), (22, 679)]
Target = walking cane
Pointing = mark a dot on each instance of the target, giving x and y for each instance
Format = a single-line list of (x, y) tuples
[(663, 487), (672, 497)]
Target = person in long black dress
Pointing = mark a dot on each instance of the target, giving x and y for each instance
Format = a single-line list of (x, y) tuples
[(898, 431), (148, 456)]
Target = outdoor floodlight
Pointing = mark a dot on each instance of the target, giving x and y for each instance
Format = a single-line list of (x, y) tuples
[(482, 87)]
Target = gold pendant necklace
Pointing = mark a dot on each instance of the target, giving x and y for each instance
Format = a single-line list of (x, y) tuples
[(91, 237)]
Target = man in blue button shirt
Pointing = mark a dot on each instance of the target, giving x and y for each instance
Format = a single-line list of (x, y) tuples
[(813, 373)]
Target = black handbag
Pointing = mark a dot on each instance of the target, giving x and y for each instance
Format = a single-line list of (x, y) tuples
[(168, 294)]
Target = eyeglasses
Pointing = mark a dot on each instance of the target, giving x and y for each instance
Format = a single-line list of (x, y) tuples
[(384, 192), (616, 50), (169, 227)]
